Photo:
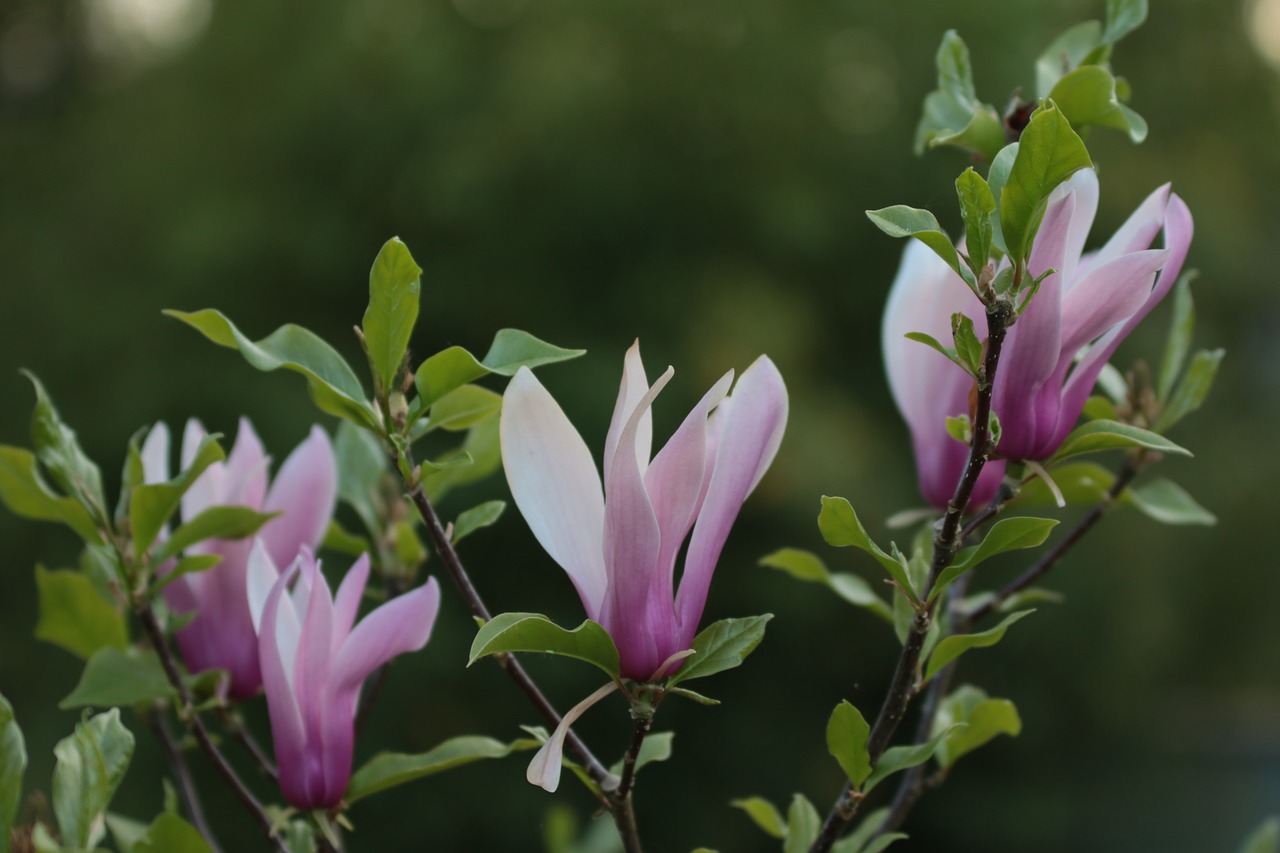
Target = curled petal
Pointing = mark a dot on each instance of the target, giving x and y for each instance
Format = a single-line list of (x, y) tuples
[(544, 769), (631, 391), (347, 604)]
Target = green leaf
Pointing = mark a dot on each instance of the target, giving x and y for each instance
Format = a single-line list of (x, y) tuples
[(1008, 534), (976, 206), (1192, 390), (113, 677), (722, 645), (533, 632), (171, 834), (1168, 503), (331, 381), (362, 466), (513, 349), (899, 758), (692, 696), (13, 764), (75, 616), (934, 343), (1081, 483), (1087, 96), (840, 527), (856, 841), (1123, 17), (952, 647), (803, 825), (153, 504), (952, 113), (764, 814), (445, 371), (58, 450), (1049, 152), (409, 549), (985, 720), (656, 747), (126, 832), (90, 765), (387, 769), (1096, 436), (968, 347), (26, 494), (1264, 839), (463, 408), (903, 221), (471, 520), (806, 566), (1067, 52), (216, 522), (1181, 331), (395, 282), (186, 566), (847, 733), (481, 446)]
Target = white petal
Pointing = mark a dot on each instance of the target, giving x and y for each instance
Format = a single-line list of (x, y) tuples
[(630, 392)]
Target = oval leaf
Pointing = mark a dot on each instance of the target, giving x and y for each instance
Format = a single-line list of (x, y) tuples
[(388, 769), (90, 765), (533, 632), (395, 282), (112, 677), (513, 349), (13, 764), (840, 527), (1008, 534), (75, 616), (722, 645), (847, 733), (1096, 436), (952, 647), (26, 494)]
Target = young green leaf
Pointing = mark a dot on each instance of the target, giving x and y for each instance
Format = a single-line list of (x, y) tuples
[(806, 566), (1123, 17), (952, 647), (362, 466), (90, 766), (903, 221), (332, 383), (171, 834), (1191, 392), (513, 349), (847, 733), (26, 494), (1067, 52), (952, 113), (215, 522), (471, 520), (481, 446), (1181, 331), (656, 747), (1080, 483), (764, 814), (722, 645), (75, 616), (946, 351), (968, 347), (395, 282), (840, 527), (997, 179), (1049, 152), (986, 719), (1168, 503), (443, 372), (1096, 436), (189, 566), (1087, 96), (462, 408), (533, 632), (153, 504), (1008, 534), (59, 451), (387, 769), (803, 825), (899, 758), (976, 206), (13, 764), (113, 677)]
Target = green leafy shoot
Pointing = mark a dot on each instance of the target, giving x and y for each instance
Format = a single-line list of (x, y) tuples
[(903, 221), (395, 283), (952, 113), (721, 646), (387, 769), (950, 648), (840, 527)]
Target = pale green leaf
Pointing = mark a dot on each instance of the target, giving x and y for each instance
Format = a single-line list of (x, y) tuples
[(153, 504), (113, 677), (656, 747), (1168, 503), (26, 494), (395, 282), (1049, 152), (464, 407), (950, 648), (471, 520), (903, 221), (840, 527), (803, 825), (90, 766), (513, 349), (899, 758), (13, 764), (1191, 392), (1096, 436), (1181, 331), (75, 616), (1008, 534), (847, 733), (215, 522), (722, 645), (764, 814), (171, 834), (387, 770), (59, 451), (807, 566)]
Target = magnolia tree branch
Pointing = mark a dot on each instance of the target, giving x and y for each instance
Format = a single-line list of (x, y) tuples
[(187, 713), (914, 783), (946, 542), (182, 774), (234, 724)]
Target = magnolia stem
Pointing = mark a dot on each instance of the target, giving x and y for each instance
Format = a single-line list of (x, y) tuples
[(235, 726), (946, 542), (182, 774), (187, 713), (643, 724)]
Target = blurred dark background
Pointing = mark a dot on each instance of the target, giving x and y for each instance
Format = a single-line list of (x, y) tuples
[(692, 172)]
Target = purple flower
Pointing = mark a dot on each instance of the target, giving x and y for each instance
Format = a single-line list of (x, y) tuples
[(1056, 349), (314, 662), (304, 492), (619, 547)]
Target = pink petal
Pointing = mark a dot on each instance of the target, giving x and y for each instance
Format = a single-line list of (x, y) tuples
[(311, 673), (261, 579), (752, 433), (347, 604), (245, 471), (1138, 232), (205, 490), (287, 734), (1111, 293), (1084, 186), (401, 625), (630, 392), (306, 491), (555, 484)]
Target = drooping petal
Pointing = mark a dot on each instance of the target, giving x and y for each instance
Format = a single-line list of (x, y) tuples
[(752, 434), (401, 625), (287, 734), (632, 389), (155, 454), (632, 542), (544, 769), (555, 484), (305, 490)]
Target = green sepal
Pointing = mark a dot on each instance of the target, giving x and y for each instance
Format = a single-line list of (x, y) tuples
[(1096, 436), (533, 632), (395, 284), (74, 615), (847, 733), (332, 383), (807, 566), (90, 766), (950, 648), (840, 527), (722, 645), (389, 769)]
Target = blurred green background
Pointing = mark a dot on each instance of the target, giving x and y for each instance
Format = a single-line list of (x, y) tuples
[(692, 172)]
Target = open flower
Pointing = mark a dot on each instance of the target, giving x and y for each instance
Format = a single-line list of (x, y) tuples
[(619, 546), (1056, 349), (304, 492), (314, 662)]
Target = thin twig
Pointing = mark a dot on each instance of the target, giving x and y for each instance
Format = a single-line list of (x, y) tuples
[(234, 724), (188, 714), (643, 724), (182, 774), (946, 542)]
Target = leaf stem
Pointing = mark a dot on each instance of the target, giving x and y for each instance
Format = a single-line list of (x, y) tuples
[(946, 542)]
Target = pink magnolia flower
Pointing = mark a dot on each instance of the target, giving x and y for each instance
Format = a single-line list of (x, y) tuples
[(619, 546), (304, 492), (314, 662), (1056, 349)]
